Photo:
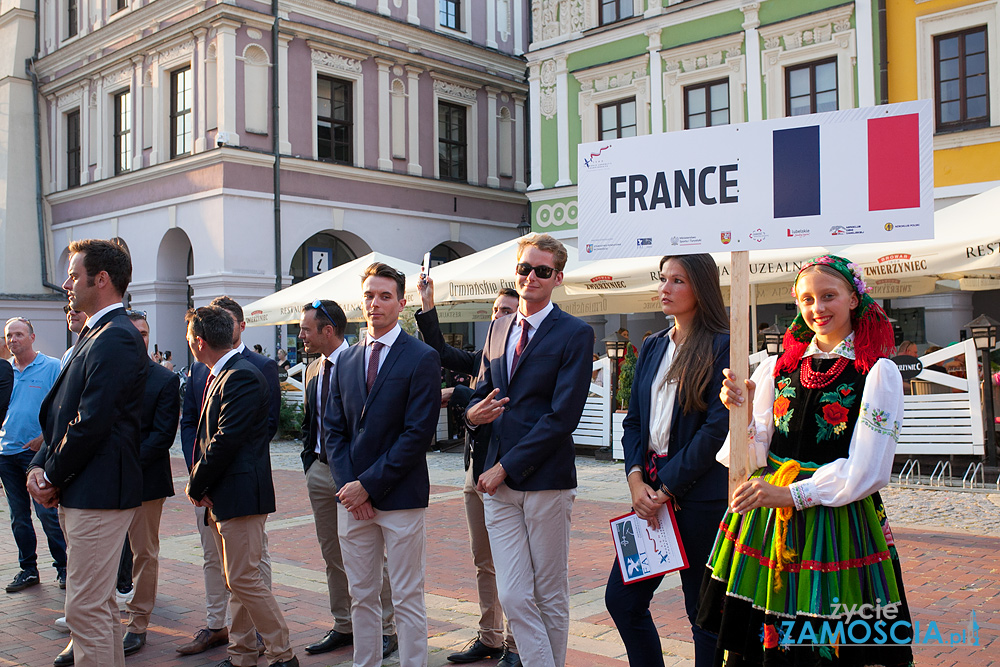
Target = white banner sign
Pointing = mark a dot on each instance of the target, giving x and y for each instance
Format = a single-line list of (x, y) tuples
[(839, 178)]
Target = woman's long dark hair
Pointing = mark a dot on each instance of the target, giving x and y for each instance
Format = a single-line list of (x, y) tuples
[(694, 362)]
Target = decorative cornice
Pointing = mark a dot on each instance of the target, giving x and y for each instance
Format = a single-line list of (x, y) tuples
[(69, 98), (819, 28), (121, 76), (335, 61), (442, 87)]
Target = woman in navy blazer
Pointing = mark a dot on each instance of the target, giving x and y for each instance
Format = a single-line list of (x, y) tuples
[(674, 428)]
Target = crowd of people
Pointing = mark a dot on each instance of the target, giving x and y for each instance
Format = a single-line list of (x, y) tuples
[(87, 439)]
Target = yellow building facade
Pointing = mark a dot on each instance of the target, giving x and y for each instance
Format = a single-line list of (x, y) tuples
[(948, 51)]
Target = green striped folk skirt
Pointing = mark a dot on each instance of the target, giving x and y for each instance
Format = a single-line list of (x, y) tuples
[(840, 601)]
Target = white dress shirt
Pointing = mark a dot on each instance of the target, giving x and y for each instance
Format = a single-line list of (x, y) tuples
[(217, 368), (387, 339), (96, 317), (534, 321)]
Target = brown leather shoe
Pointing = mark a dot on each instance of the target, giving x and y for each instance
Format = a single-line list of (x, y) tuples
[(205, 639)]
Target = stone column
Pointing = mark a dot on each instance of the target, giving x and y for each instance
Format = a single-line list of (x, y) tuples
[(138, 109), (562, 121), (384, 159), (200, 89), (755, 93), (165, 302), (535, 95), (655, 82), (413, 112), (865, 44), (225, 63), (284, 111), (519, 142), (491, 137)]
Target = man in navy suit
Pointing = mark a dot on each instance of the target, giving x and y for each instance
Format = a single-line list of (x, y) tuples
[(385, 396), (532, 388), (88, 463), (216, 595)]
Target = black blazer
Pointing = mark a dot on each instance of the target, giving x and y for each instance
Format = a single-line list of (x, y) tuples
[(91, 419), (161, 406), (313, 374), (533, 438), (196, 387), (6, 387), (459, 361), (381, 438), (233, 467), (690, 470)]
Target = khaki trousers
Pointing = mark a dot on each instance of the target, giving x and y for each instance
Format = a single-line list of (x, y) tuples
[(91, 572), (529, 535), (399, 534), (323, 498), (216, 593), (491, 632), (253, 605), (144, 536)]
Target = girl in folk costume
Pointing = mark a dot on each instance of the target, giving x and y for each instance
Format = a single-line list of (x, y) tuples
[(806, 538)]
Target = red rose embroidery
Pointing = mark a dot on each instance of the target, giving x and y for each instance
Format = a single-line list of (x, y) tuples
[(845, 391), (770, 637), (834, 413), (780, 407)]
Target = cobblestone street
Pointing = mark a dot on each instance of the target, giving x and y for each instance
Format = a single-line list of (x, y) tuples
[(947, 541)]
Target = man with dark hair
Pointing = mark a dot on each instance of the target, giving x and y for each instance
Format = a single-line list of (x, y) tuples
[(216, 595), (231, 477), (88, 463), (20, 436), (161, 404), (321, 330), (385, 397), (532, 388), (75, 320), (491, 641)]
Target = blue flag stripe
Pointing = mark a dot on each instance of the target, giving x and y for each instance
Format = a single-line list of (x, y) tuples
[(796, 172)]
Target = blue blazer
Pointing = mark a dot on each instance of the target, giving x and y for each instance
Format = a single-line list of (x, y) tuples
[(533, 438), (690, 470), (381, 438), (197, 377)]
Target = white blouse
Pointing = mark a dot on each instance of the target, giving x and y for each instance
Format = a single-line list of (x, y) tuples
[(873, 442)]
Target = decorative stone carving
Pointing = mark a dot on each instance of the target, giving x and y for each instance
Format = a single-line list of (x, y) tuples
[(335, 61), (751, 18), (555, 18), (503, 19), (548, 73), (835, 28), (72, 97), (453, 89), (121, 76), (695, 62), (177, 51), (253, 33)]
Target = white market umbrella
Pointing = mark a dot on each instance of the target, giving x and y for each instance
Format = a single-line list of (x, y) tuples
[(341, 284)]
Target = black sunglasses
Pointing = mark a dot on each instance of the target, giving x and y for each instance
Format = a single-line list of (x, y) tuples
[(136, 313), (543, 272), (318, 305)]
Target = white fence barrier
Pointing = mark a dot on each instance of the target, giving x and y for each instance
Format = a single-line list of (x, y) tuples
[(594, 428)]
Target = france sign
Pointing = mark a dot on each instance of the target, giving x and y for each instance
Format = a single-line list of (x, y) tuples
[(833, 179)]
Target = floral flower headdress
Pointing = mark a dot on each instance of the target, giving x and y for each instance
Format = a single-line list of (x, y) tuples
[(873, 337)]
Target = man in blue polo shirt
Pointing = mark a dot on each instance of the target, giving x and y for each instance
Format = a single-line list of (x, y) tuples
[(20, 437)]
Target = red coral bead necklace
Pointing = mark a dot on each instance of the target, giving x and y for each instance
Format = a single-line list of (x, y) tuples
[(812, 379)]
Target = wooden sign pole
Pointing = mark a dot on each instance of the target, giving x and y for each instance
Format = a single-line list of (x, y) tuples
[(739, 364)]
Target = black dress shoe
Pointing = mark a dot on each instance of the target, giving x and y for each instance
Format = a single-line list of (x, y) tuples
[(475, 651), (133, 641), (509, 659), (333, 640), (65, 657), (389, 645), (291, 662)]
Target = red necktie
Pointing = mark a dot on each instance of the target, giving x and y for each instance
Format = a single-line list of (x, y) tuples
[(208, 383), (373, 364), (522, 343)]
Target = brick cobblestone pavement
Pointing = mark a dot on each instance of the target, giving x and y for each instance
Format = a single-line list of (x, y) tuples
[(948, 542)]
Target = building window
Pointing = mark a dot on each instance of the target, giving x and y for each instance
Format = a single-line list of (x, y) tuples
[(615, 10), (961, 80), (73, 148), (706, 104), (120, 5), (452, 145), (334, 120), (616, 120), (123, 132), (449, 14), (71, 19), (811, 88), (180, 112)]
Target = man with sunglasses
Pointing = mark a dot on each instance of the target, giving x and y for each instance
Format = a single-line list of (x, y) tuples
[(491, 641), (532, 388), (321, 330)]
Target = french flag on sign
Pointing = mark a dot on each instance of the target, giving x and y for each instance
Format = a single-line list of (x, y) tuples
[(893, 167)]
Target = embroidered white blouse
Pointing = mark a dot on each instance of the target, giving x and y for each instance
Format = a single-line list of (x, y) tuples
[(873, 442)]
